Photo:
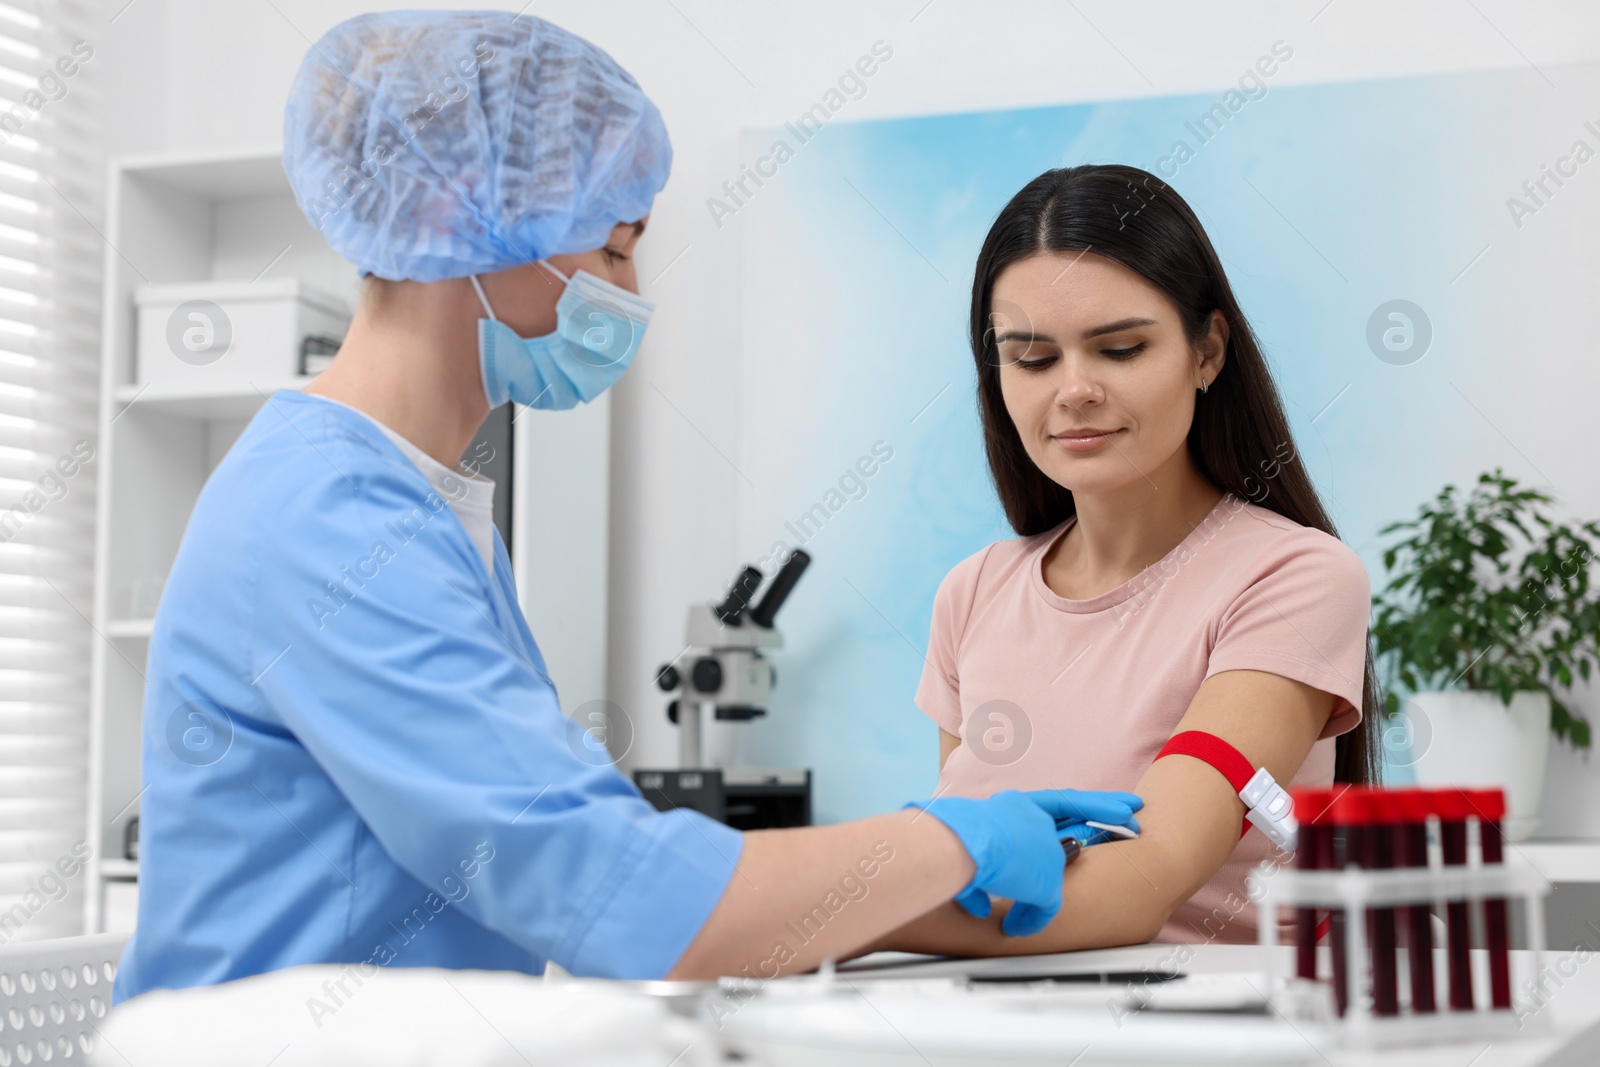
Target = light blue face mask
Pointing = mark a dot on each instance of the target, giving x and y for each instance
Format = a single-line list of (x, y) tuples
[(598, 329)]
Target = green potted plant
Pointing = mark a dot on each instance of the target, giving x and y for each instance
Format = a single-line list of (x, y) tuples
[(1482, 628)]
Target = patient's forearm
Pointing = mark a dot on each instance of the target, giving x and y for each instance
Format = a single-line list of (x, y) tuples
[(1106, 901), (1122, 893), (1114, 894)]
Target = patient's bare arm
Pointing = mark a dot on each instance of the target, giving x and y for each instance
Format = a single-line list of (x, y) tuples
[(1122, 892)]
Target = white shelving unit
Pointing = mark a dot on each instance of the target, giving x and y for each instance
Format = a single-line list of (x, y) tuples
[(231, 216)]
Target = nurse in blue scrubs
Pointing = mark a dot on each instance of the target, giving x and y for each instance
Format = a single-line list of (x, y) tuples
[(352, 749)]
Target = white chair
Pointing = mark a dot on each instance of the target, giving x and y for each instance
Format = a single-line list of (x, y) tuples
[(53, 996)]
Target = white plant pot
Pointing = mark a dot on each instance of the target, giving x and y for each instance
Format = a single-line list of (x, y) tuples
[(1473, 739)]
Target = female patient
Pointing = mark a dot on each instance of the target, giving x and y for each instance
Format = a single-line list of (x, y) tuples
[(1174, 569)]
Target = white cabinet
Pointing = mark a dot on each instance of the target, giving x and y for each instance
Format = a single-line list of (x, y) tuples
[(231, 218)]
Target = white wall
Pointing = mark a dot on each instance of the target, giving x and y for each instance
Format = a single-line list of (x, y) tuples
[(205, 74)]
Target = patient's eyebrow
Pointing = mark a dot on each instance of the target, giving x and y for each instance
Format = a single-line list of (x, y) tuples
[(1118, 326), (1002, 336)]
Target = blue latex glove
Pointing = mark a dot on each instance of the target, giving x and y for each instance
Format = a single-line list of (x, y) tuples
[(1084, 805), (1014, 838), (976, 901)]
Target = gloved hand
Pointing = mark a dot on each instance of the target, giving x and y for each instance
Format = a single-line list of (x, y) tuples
[(1014, 838), (1088, 806)]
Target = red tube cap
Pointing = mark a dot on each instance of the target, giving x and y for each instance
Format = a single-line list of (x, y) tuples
[(1311, 805), (1451, 804), (1411, 805), (1488, 804), (1351, 806), (1389, 807)]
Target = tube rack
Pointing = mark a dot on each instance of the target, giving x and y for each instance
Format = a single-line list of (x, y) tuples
[(1355, 890)]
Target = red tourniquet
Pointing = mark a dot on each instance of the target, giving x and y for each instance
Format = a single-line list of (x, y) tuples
[(1209, 748), (1228, 762)]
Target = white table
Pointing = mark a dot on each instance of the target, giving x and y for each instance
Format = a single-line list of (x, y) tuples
[(1562, 861), (1571, 1008)]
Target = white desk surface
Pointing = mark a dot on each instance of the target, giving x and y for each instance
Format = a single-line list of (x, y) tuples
[(1562, 861), (1572, 1003)]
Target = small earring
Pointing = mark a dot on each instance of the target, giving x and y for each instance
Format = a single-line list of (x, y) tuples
[(1202, 385)]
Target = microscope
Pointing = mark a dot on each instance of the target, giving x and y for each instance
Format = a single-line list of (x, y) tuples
[(726, 677)]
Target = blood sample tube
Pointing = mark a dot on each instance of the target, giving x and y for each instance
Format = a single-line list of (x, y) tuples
[(1313, 852), (1490, 807), (1453, 808), (1411, 850), (1348, 815), (1377, 853)]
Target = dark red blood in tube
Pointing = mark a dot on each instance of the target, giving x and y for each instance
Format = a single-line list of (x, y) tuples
[(1490, 807), (1378, 850), (1313, 851), (1453, 808), (1348, 814), (1411, 850)]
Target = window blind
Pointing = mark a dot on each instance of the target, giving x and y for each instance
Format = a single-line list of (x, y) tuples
[(51, 204)]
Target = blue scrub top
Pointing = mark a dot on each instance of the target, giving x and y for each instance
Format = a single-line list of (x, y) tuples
[(353, 753)]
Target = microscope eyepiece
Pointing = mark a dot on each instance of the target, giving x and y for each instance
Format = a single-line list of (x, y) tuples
[(779, 590), (731, 610)]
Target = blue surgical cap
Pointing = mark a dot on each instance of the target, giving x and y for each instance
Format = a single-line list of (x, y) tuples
[(435, 144)]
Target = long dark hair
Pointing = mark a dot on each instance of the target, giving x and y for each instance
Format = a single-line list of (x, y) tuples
[(1134, 218)]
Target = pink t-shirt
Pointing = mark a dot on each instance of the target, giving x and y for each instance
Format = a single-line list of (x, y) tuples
[(1050, 692)]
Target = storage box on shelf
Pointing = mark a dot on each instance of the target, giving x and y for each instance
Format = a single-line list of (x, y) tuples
[(210, 337)]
